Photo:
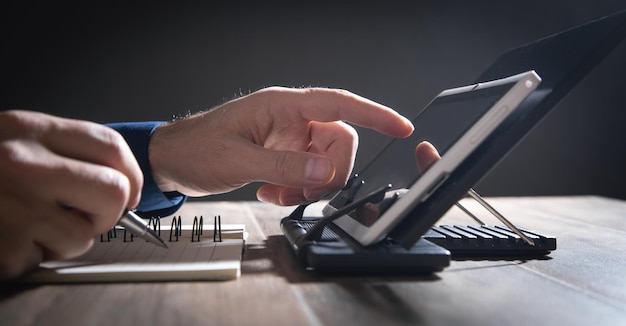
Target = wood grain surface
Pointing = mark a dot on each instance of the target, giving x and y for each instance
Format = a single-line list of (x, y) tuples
[(583, 282)]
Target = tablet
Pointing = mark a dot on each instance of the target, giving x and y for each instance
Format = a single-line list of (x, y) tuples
[(562, 60), (455, 122)]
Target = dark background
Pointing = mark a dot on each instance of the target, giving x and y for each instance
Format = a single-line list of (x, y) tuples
[(110, 62)]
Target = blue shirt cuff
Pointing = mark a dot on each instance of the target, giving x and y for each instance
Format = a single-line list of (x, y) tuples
[(154, 202)]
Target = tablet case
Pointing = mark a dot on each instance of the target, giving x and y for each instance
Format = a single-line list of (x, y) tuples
[(562, 60)]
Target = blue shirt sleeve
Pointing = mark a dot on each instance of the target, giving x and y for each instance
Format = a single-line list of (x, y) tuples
[(154, 202)]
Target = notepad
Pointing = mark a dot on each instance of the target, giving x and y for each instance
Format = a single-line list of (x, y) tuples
[(196, 252)]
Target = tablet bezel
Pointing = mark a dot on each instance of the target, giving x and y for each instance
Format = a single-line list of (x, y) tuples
[(523, 84)]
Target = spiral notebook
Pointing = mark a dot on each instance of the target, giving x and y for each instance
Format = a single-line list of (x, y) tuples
[(196, 251)]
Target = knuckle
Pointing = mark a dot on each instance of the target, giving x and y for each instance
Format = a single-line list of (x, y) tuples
[(113, 141), (337, 91), (16, 123), (114, 193), (274, 89), (9, 154), (282, 163), (269, 91), (343, 92), (349, 132), (116, 185), (23, 160), (288, 168), (315, 91)]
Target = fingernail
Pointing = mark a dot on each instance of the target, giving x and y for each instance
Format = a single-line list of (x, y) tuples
[(409, 123), (317, 169), (265, 197)]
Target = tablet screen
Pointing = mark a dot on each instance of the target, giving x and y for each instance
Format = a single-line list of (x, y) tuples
[(441, 123)]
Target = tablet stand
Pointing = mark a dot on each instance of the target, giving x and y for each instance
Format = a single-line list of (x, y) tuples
[(316, 231), (327, 248), (377, 196), (495, 213)]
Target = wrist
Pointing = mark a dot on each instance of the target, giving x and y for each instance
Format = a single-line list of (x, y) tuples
[(155, 198), (161, 157)]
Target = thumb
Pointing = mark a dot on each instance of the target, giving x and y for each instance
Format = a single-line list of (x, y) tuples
[(425, 156), (293, 169)]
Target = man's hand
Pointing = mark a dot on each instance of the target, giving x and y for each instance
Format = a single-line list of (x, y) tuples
[(295, 140), (62, 182)]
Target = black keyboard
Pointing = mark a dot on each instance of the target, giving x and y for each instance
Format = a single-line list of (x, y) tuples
[(468, 242), (489, 241)]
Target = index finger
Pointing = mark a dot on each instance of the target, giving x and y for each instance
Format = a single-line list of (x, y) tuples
[(325, 105)]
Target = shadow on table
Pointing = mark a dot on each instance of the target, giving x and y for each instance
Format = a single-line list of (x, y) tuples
[(275, 256)]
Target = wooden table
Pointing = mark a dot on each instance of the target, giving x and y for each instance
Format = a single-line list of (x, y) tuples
[(583, 282)]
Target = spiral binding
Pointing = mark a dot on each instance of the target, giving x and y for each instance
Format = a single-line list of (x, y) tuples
[(217, 228), (176, 230), (110, 234), (196, 229)]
